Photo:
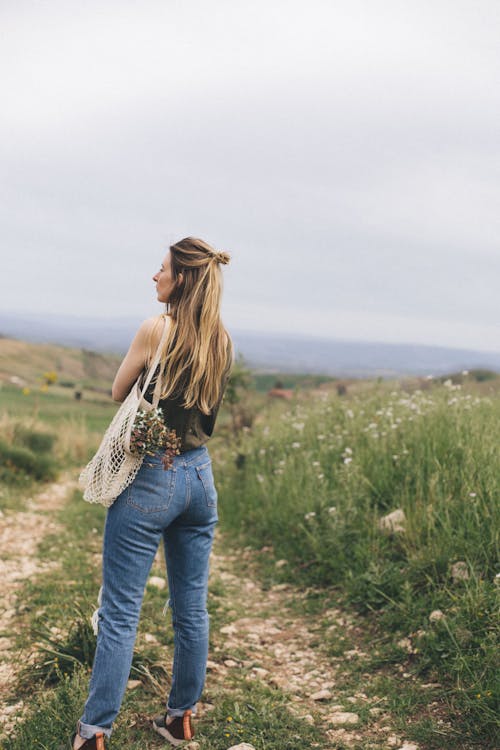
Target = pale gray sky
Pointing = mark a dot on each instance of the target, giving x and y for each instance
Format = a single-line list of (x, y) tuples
[(345, 152)]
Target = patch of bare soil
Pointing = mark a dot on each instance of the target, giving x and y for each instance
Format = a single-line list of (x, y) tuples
[(20, 534)]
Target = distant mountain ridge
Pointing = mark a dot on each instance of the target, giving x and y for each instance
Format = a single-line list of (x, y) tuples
[(271, 352)]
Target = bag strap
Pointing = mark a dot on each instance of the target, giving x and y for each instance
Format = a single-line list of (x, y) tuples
[(154, 364)]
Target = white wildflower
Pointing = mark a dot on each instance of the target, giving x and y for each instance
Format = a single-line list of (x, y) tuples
[(295, 445), (347, 460), (260, 478), (309, 515)]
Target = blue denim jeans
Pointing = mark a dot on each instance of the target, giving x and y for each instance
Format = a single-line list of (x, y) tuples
[(180, 506)]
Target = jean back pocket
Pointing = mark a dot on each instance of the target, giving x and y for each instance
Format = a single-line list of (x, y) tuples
[(152, 489)]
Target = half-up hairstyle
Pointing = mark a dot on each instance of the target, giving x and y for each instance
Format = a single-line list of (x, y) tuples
[(198, 353)]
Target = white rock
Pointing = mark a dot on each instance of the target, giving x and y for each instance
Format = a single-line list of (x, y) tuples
[(230, 663), (281, 563), (392, 740), (321, 695), (260, 671), (393, 522), (229, 630), (158, 582), (459, 571), (408, 746), (405, 644), (132, 684), (436, 615), (308, 719), (343, 717), (242, 746)]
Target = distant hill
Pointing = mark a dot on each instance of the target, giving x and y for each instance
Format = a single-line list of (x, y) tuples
[(264, 351), (27, 361)]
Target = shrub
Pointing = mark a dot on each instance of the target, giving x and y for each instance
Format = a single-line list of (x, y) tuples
[(19, 464), (35, 441)]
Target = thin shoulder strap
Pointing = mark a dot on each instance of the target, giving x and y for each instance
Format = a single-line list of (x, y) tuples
[(155, 362)]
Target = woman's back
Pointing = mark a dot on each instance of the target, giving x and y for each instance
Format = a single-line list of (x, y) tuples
[(191, 425)]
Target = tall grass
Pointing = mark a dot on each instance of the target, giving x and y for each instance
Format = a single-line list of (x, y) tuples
[(316, 483)]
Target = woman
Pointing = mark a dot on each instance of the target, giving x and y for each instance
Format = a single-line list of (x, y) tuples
[(178, 504)]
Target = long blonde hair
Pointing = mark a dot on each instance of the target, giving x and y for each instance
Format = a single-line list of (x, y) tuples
[(198, 352)]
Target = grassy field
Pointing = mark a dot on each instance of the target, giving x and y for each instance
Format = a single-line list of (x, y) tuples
[(309, 486), (316, 485)]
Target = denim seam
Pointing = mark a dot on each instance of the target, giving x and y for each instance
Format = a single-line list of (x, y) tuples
[(188, 490), (176, 641)]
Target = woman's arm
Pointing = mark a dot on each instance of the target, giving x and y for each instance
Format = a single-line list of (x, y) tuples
[(135, 359)]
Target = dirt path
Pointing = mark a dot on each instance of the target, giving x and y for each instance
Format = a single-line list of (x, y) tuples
[(267, 636), (20, 534), (283, 648)]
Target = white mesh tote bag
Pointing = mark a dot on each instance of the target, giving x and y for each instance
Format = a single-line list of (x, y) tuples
[(113, 467)]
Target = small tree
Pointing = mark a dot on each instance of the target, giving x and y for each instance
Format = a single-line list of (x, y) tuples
[(49, 377)]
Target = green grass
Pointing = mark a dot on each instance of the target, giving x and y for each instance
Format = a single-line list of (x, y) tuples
[(432, 453), (54, 407), (249, 713), (314, 485), (54, 621)]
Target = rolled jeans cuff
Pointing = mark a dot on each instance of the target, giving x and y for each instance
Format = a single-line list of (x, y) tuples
[(180, 711), (87, 731)]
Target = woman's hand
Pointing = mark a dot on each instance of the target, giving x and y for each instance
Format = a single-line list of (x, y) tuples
[(146, 339)]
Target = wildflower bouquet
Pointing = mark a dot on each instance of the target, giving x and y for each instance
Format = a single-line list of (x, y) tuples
[(150, 434)]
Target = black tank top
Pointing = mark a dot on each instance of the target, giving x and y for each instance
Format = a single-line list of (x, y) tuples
[(192, 426)]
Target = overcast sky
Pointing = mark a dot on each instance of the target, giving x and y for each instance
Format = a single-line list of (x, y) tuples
[(345, 152)]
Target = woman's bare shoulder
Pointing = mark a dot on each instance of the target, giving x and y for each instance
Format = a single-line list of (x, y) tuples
[(151, 329)]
